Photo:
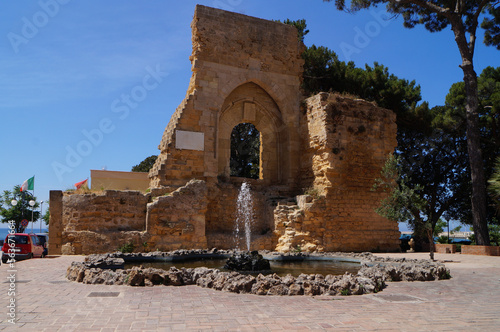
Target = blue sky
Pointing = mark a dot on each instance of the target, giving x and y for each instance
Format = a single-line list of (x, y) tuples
[(66, 68)]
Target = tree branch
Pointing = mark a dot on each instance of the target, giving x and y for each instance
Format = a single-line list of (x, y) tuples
[(473, 28), (480, 9), (427, 5)]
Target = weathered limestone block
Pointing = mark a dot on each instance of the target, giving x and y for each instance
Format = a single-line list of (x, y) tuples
[(56, 222), (178, 219), (90, 242), (97, 222), (106, 212), (293, 234)]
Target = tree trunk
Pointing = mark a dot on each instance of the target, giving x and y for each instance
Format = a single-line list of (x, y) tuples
[(478, 180), (431, 243), (479, 198)]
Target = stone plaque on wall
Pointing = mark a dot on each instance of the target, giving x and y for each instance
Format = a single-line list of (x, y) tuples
[(189, 140)]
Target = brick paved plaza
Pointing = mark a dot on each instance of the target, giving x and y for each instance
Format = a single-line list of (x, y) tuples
[(45, 301)]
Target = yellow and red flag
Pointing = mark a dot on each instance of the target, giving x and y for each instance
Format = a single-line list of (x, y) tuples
[(81, 183)]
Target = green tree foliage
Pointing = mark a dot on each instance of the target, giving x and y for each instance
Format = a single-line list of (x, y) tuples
[(432, 157), (145, 165), (245, 151), (323, 71), (494, 184), (46, 217), (432, 146), (437, 15), (453, 117), (301, 26), (494, 231), (489, 115), (427, 180), (463, 19), (19, 212), (491, 25), (488, 110), (404, 203), (442, 227)]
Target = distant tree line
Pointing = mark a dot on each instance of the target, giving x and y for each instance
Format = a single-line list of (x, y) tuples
[(145, 165)]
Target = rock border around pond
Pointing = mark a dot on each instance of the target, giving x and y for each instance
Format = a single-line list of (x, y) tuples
[(371, 278)]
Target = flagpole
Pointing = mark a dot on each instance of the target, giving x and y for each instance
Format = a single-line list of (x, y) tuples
[(32, 208), (34, 202)]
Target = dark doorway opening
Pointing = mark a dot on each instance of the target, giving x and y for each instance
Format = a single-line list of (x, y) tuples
[(245, 151)]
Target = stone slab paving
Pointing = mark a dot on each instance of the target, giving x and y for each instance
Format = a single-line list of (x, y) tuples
[(46, 301)]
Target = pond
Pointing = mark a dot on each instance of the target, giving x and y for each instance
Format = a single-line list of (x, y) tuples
[(280, 267)]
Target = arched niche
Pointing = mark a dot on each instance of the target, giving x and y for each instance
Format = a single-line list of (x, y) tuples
[(249, 103)]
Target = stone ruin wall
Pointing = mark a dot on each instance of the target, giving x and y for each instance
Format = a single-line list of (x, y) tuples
[(345, 137), (177, 220), (95, 223), (347, 143), (244, 69), (193, 216), (103, 222), (247, 70)]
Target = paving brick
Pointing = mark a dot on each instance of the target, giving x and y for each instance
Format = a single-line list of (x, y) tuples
[(469, 301)]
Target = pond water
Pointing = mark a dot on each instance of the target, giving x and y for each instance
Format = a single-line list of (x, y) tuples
[(282, 268)]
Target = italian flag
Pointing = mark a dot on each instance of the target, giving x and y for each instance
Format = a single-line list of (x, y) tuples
[(28, 184)]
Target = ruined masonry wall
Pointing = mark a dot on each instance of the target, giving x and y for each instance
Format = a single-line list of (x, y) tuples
[(230, 50), (346, 143), (177, 221), (345, 146), (103, 222), (94, 223)]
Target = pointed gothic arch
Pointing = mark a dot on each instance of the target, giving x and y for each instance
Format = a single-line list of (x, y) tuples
[(250, 103)]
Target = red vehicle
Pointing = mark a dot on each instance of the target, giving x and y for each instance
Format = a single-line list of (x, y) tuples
[(21, 246)]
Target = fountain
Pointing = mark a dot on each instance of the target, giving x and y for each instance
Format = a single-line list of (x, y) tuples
[(245, 261), (244, 215)]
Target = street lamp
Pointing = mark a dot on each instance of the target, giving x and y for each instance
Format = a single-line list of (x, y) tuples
[(14, 203), (448, 231), (32, 203), (41, 213)]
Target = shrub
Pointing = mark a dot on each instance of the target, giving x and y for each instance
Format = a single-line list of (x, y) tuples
[(126, 248), (442, 239)]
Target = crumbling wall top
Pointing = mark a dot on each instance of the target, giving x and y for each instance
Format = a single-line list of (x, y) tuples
[(246, 42)]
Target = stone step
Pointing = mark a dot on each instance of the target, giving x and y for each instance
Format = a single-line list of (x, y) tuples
[(280, 200)]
